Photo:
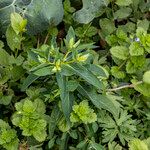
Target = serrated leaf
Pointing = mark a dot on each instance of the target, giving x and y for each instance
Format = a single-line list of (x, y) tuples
[(120, 52), (136, 49), (40, 135), (107, 26), (130, 68), (117, 73), (86, 74), (137, 144)]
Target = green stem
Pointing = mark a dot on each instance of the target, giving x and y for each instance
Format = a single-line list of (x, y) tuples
[(124, 86)]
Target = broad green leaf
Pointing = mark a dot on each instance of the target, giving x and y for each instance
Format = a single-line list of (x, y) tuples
[(18, 23), (66, 100), (142, 88), (117, 73), (100, 101), (147, 142), (17, 72), (143, 24), (28, 106), (44, 71), (4, 58), (146, 77), (72, 85), (4, 75), (97, 70), (138, 61), (136, 49), (124, 2), (90, 10), (40, 106), (64, 125), (81, 144), (137, 144), (86, 74), (40, 14), (28, 81), (120, 52), (107, 26), (13, 39), (130, 68), (5, 100), (122, 13), (40, 135)]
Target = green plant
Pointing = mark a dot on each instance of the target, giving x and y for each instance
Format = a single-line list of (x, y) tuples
[(8, 136), (30, 118), (82, 84)]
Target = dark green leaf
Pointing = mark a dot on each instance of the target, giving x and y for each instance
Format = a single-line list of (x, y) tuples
[(4, 58), (100, 101), (40, 14), (122, 13), (96, 146), (97, 70), (28, 81), (54, 118), (81, 144), (44, 71), (86, 74), (65, 96), (90, 10)]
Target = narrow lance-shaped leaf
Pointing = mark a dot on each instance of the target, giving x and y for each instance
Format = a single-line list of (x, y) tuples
[(44, 71), (54, 118), (100, 101), (66, 99), (28, 81), (86, 74)]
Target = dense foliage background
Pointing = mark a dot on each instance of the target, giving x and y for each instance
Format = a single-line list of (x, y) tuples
[(74, 74)]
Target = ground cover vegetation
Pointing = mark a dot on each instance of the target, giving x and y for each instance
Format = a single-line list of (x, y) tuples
[(74, 74)]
